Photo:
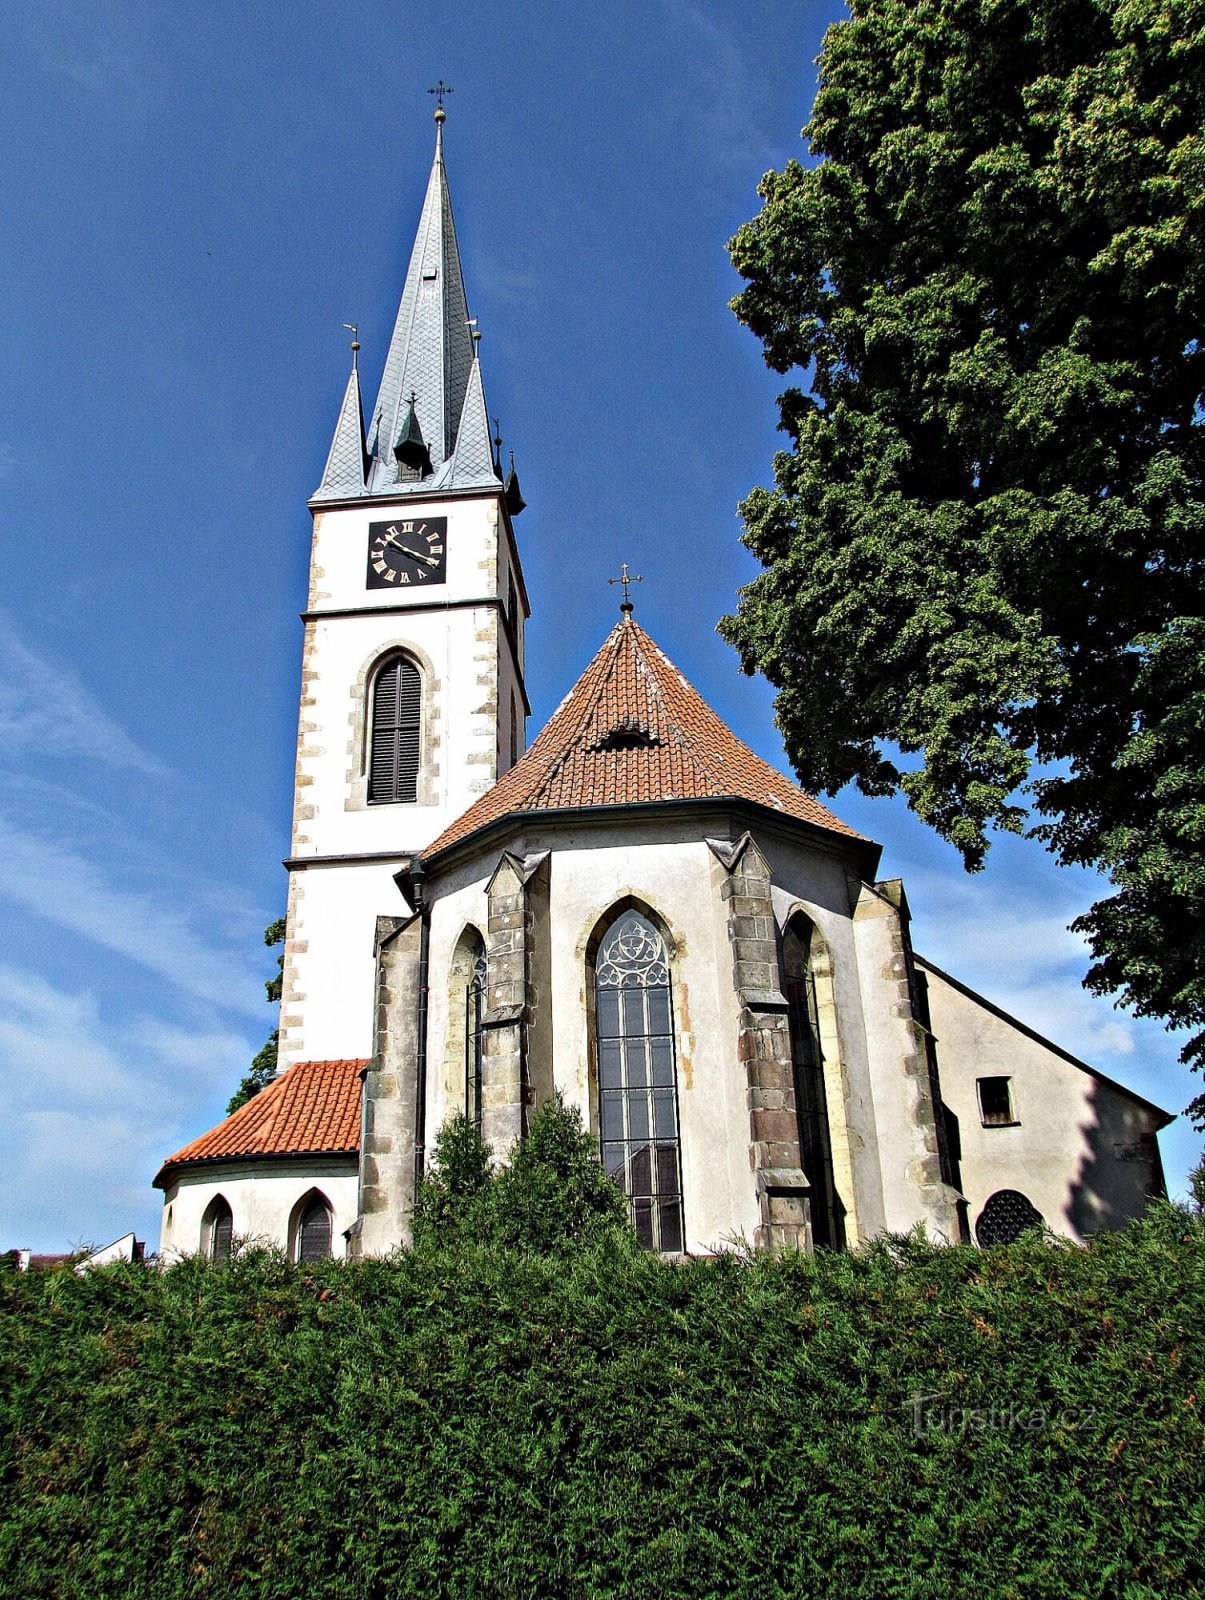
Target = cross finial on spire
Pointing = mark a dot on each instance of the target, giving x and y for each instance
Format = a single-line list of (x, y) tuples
[(355, 343), (440, 89), (626, 605)]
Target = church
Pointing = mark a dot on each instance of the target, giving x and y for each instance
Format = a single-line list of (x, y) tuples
[(636, 912)]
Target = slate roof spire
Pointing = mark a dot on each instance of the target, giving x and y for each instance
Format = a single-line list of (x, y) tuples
[(431, 401)]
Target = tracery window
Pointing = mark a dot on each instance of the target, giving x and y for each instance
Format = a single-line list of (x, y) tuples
[(217, 1232), (474, 1005), (1005, 1217), (811, 1098), (314, 1230), (395, 741), (637, 1077)]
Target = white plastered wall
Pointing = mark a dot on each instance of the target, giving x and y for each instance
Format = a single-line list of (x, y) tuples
[(329, 995), (262, 1197), (470, 676), (595, 870), (1076, 1151)]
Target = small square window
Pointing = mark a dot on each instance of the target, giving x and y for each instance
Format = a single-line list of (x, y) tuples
[(996, 1102)]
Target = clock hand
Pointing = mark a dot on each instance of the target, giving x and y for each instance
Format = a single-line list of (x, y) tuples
[(430, 561)]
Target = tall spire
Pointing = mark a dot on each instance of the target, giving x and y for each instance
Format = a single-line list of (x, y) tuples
[(431, 352)]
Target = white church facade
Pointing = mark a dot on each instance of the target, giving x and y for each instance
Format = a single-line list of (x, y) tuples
[(637, 912)]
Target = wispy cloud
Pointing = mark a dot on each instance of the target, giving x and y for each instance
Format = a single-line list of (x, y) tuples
[(1018, 950), (67, 889), (46, 710), (92, 1106), (88, 47), (727, 112)]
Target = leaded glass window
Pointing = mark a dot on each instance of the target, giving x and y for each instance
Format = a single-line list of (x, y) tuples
[(474, 1005), (637, 1078), (314, 1231)]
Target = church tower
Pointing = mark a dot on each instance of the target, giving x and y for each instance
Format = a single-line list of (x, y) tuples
[(412, 694)]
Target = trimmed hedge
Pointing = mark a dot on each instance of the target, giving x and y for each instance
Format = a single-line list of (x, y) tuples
[(470, 1422)]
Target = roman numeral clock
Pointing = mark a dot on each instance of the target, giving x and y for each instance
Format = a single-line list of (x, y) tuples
[(407, 554)]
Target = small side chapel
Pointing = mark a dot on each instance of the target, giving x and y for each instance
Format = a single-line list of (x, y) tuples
[(637, 912)]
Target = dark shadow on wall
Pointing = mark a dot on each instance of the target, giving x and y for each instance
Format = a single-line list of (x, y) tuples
[(1121, 1171)]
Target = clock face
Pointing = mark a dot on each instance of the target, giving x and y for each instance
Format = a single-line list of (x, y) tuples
[(407, 554)]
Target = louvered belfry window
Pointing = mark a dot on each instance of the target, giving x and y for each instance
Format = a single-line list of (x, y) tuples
[(637, 1077), (396, 733)]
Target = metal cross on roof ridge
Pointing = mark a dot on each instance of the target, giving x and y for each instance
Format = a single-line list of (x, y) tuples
[(626, 579)]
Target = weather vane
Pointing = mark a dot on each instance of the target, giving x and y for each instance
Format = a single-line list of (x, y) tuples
[(440, 89), (354, 330), (627, 579)]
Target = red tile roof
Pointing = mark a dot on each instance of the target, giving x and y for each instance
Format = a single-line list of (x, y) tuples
[(311, 1109), (632, 729)]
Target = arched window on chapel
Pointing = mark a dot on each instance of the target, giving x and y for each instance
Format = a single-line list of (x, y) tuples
[(396, 737), (637, 1077), (313, 1223), (217, 1229)]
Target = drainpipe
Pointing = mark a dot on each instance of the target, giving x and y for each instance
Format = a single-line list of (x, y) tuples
[(417, 876)]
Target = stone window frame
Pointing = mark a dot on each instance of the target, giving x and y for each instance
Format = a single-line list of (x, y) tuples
[(469, 943), (359, 746), (828, 1026), (588, 946), (298, 1211)]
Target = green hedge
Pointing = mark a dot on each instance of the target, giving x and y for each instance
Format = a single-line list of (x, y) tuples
[(470, 1422)]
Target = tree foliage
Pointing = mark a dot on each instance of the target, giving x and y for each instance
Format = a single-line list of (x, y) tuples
[(552, 1195), (263, 1065), (983, 548)]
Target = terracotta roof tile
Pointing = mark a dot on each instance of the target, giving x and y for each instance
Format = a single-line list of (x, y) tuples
[(630, 730), (313, 1108)]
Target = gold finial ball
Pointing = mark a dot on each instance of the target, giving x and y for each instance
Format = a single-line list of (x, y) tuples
[(355, 344), (440, 114)]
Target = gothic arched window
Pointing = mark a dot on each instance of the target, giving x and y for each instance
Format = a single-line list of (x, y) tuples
[(314, 1230), (637, 1077), (217, 1230), (396, 737), (811, 1099), (474, 1005)]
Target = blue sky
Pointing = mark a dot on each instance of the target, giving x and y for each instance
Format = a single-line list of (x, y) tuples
[(194, 200)]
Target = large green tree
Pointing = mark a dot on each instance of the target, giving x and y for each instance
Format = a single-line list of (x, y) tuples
[(983, 548)]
